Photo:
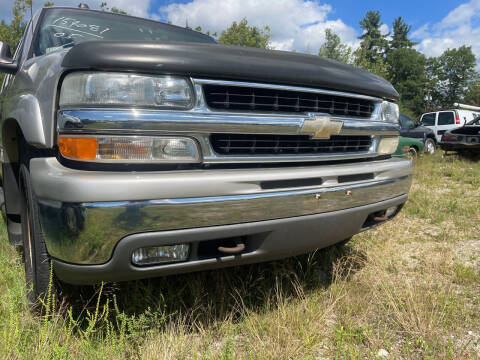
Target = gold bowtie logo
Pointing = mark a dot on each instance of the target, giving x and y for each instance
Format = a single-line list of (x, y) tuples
[(321, 127)]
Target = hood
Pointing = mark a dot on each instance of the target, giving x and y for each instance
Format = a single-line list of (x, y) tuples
[(227, 63)]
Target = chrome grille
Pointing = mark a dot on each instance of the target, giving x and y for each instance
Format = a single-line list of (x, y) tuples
[(225, 97), (247, 144)]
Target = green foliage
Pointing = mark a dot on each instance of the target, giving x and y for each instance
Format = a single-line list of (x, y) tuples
[(199, 29), (11, 33), (113, 9), (407, 74), (374, 44), (48, 4), (333, 48), (455, 69), (244, 35), (371, 53), (400, 38), (472, 96)]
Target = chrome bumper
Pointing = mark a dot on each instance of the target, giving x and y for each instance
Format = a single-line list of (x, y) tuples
[(85, 214)]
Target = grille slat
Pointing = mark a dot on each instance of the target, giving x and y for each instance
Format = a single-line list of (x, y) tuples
[(248, 144), (225, 97)]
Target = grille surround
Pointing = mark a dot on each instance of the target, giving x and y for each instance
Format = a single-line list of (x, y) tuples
[(251, 98), (285, 145)]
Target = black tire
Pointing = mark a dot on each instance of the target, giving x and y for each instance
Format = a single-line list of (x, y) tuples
[(37, 261), (430, 146)]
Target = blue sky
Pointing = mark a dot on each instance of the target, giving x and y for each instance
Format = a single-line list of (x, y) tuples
[(301, 24)]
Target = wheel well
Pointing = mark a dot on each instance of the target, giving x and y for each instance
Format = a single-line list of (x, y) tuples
[(414, 147), (432, 137)]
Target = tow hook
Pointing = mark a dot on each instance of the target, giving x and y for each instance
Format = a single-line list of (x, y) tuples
[(240, 246)]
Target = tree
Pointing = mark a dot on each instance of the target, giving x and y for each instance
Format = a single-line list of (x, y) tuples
[(400, 38), (407, 74), (370, 55), (455, 69), (48, 4), (199, 29), (12, 32), (333, 48), (472, 97), (113, 9), (244, 35), (374, 44)]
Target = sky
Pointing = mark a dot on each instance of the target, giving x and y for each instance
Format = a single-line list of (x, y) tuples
[(300, 24)]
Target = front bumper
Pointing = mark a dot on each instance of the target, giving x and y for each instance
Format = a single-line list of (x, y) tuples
[(85, 214)]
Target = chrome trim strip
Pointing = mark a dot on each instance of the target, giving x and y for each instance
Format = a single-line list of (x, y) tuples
[(285, 87), (97, 119), (86, 233)]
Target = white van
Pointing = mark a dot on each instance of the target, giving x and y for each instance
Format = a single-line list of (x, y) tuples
[(441, 121)]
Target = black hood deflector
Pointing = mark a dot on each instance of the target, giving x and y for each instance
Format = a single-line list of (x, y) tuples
[(227, 63)]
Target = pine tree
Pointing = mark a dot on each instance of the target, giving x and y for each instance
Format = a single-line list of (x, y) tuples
[(400, 38), (333, 48)]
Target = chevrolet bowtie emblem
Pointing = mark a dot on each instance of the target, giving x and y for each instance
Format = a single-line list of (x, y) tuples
[(321, 127)]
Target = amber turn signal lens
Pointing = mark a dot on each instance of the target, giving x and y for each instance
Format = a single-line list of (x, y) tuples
[(81, 148)]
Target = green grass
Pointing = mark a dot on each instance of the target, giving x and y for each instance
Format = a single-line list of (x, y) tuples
[(410, 287)]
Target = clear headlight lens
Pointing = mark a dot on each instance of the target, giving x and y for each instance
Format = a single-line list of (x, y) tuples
[(387, 145), (389, 112), (101, 88), (129, 149)]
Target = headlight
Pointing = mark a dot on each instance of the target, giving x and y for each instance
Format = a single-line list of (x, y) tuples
[(101, 88), (129, 149), (389, 112)]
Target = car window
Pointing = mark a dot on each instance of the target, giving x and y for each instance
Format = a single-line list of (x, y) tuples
[(61, 28), (446, 118), (428, 119), (406, 122)]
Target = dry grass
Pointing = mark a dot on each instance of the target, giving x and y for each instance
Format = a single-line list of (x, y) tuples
[(410, 287)]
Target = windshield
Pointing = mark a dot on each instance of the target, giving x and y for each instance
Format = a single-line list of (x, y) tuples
[(61, 28), (406, 121)]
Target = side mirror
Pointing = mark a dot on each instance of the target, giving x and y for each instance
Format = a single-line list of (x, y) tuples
[(7, 64)]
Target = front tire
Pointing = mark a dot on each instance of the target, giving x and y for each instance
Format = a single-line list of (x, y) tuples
[(37, 262), (429, 146)]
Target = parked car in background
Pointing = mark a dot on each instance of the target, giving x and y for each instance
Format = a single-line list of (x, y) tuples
[(409, 148), (412, 129), (442, 121), (464, 140)]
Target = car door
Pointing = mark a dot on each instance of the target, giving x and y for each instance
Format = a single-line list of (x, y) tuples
[(445, 121), (408, 128), (429, 120)]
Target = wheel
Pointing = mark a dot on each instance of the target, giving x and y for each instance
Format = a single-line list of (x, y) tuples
[(37, 262), (430, 146), (412, 154)]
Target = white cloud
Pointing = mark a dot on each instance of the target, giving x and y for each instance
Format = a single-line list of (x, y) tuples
[(384, 30), (459, 27), (294, 24)]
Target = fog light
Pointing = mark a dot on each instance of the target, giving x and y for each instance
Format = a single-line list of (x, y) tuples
[(388, 145), (160, 254), (390, 211)]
